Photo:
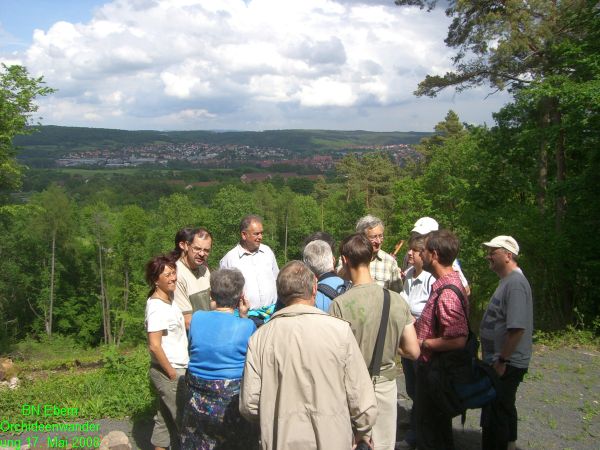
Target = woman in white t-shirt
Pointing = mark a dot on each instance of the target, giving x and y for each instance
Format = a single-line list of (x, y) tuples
[(167, 343)]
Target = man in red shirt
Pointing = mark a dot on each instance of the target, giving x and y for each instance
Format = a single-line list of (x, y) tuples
[(448, 332)]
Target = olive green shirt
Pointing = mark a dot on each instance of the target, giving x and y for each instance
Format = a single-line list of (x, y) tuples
[(362, 306)]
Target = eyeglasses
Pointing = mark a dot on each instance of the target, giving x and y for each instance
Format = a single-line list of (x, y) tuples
[(375, 237), (199, 249)]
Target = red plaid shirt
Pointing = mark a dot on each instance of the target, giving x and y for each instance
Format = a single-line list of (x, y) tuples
[(451, 320)]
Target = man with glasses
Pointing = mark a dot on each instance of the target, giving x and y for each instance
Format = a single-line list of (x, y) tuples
[(192, 293), (506, 330), (384, 268), (257, 263)]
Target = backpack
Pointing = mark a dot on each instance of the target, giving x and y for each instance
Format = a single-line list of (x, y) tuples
[(330, 292), (458, 379)]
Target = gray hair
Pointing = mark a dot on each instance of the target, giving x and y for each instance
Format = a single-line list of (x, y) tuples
[(367, 222), (295, 281), (226, 287), (318, 257)]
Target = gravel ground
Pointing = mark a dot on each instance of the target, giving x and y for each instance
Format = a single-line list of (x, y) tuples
[(558, 404)]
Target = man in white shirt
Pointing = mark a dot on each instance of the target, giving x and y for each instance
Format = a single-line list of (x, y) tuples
[(257, 263)]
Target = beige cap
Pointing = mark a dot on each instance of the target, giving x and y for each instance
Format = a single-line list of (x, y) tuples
[(505, 242)]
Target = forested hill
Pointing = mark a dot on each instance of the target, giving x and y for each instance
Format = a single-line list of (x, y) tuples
[(55, 140)]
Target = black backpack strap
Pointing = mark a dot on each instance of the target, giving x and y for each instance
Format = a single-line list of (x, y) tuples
[(327, 290), (375, 366), (460, 296)]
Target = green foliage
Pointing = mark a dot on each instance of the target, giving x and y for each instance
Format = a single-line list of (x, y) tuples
[(118, 390), (18, 92)]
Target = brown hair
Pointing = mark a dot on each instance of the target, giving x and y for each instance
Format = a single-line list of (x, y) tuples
[(357, 249), (417, 242), (155, 267), (445, 243)]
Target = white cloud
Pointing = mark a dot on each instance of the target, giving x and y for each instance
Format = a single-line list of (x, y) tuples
[(253, 64)]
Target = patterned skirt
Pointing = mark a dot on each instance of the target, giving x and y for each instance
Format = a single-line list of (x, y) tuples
[(212, 420)]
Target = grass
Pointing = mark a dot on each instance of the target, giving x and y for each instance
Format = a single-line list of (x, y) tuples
[(570, 337), (118, 389)]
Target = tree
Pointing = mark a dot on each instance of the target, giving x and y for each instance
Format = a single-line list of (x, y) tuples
[(17, 94), (52, 224), (514, 45)]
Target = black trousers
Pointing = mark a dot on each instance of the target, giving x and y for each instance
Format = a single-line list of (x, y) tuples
[(499, 418), (434, 429)]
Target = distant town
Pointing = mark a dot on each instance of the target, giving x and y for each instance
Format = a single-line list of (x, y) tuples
[(221, 155)]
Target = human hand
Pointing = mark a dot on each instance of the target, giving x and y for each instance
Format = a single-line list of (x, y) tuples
[(172, 374), (243, 306), (499, 367), (363, 443)]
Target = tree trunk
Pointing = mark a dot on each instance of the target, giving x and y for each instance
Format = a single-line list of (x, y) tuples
[(286, 237), (561, 166), (51, 300), (544, 122), (125, 303), (322, 217), (105, 303)]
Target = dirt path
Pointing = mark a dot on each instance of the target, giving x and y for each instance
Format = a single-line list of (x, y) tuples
[(558, 404)]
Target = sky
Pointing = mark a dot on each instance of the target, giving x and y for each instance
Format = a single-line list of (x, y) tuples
[(237, 64)]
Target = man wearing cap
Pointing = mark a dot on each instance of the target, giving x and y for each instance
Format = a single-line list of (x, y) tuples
[(426, 225), (505, 333)]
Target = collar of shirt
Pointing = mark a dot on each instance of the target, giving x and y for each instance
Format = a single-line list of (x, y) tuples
[(241, 251), (379, 255), (423, 276)]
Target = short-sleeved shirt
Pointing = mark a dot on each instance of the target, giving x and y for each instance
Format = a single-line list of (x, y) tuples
[(362, 306), (511, 307), (260, 272), (218, 345), (451, 319), (193, 288), (384, 271), (167, 317), (417, 290)]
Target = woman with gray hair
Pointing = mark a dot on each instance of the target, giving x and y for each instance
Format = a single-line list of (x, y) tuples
[(218, 341)]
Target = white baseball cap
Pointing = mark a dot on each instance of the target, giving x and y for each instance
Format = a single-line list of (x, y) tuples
[(505, 242), (425, 225)]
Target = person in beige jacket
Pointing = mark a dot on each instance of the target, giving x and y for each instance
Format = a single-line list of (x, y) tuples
[(305, 379)]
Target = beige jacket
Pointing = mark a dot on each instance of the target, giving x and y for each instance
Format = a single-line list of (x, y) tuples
[(306, 381)]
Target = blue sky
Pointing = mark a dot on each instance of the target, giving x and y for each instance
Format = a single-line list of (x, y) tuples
[(236, 64), (19, 18)]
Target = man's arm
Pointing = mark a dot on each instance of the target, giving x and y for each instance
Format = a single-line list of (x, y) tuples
[(513, 337), (181, 299), (443, 344), (409, 344), (251, 387)]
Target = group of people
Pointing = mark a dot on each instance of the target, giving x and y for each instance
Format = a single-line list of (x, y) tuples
[(305, 357)]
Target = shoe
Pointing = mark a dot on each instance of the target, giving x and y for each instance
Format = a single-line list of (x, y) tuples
[(403, 445)]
